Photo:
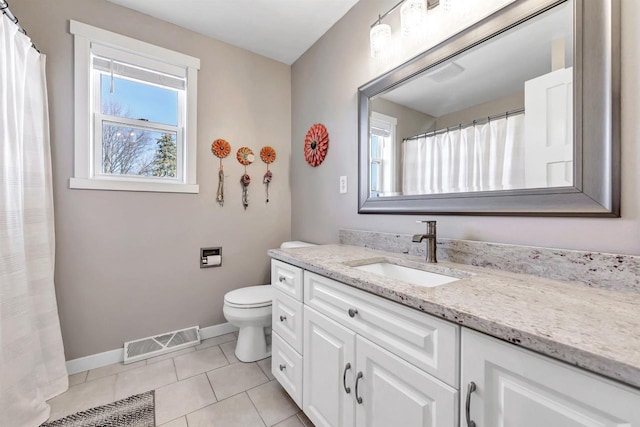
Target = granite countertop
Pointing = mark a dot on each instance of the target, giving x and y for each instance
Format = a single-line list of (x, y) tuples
[(595, 329)]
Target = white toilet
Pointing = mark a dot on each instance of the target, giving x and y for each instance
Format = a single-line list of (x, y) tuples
[(250, 310)]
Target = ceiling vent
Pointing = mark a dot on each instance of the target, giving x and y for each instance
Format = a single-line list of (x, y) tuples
[(445, 73)]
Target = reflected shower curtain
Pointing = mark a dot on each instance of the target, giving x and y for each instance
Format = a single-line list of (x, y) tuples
[(32, 365), (476, 158)]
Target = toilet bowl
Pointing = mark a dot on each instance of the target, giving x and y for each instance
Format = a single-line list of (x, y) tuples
[(249, 309)]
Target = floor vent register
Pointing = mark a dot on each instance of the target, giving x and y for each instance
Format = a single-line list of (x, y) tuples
[(145, 348)]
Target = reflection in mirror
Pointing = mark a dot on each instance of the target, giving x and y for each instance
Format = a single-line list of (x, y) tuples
[(498, 116)]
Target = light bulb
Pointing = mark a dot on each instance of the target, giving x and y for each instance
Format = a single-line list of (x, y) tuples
[(380, 36), (413, 17)]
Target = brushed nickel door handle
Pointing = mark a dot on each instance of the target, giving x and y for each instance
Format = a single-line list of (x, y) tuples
[(358, 398), (467, 409), (344, 378)]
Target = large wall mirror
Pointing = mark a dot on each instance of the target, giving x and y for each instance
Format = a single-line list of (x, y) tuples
[(517, 115)]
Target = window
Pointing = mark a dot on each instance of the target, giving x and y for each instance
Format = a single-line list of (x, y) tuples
[(382, 155), (135, 114)]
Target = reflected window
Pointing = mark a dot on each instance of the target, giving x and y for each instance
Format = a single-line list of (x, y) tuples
[(382, 154)]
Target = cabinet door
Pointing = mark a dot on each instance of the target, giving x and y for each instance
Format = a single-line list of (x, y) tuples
[(518, 388), (396, 393), (328, 348)]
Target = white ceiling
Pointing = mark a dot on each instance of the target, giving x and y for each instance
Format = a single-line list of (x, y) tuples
[(492, 70), (279, 29)]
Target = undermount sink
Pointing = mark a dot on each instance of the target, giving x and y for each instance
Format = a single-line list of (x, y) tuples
[(407, 274)]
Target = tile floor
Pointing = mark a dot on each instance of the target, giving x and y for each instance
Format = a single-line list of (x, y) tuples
[(203, 386)]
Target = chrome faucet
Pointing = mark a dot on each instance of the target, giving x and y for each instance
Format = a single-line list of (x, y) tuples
[(431, 240)]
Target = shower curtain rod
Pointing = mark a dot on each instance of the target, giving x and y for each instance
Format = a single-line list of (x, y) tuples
[(4, 7), (464, 125)]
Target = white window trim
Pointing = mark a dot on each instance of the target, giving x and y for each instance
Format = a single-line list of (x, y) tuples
[(84, 176)]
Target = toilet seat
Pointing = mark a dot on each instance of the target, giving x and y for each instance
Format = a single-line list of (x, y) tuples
[(249, 297)]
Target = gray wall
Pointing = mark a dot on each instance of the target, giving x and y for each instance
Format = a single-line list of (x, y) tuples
[(480, 111), (410, 122), (126, 262), (324, 89)]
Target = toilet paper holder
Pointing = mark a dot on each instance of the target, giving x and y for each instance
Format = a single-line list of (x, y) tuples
[(205, 253)]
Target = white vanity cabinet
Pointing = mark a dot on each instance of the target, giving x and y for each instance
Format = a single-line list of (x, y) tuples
[(351, 358), (350, 380), (515, 387)]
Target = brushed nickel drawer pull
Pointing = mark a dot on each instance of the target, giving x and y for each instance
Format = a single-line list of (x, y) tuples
[(283, 318), (352, 312), (282, 367)]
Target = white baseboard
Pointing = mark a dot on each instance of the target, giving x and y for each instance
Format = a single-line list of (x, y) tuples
[(94, 361), (114, 356), (217, 330)]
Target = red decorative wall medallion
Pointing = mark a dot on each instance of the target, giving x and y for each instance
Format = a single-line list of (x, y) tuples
[(316, 144)]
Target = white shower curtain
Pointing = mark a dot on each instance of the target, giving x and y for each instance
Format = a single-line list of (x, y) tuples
[(476, 158), (32, 363)]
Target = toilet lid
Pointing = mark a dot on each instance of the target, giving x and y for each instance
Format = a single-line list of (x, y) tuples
[(249, 297), (295, 244)]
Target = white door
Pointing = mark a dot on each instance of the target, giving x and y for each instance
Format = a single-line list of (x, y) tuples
[(392, 392), (328, 371), (549, 130), (518, 388)]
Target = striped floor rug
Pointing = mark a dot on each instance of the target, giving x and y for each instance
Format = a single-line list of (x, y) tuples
[(134, 411)]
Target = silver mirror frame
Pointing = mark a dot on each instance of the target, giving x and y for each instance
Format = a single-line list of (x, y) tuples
[(596, 191)]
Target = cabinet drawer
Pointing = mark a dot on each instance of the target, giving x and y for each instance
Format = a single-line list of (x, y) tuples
[(286, 366), (287, 319), (429, 343), (287, 278)]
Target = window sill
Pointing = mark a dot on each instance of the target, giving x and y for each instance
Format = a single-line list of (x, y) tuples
[(156, 187)]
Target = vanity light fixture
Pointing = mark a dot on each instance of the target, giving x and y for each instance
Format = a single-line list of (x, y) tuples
[(380, 36), (413, 18)]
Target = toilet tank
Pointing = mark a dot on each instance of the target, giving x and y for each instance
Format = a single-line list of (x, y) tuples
[(295, 244)]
